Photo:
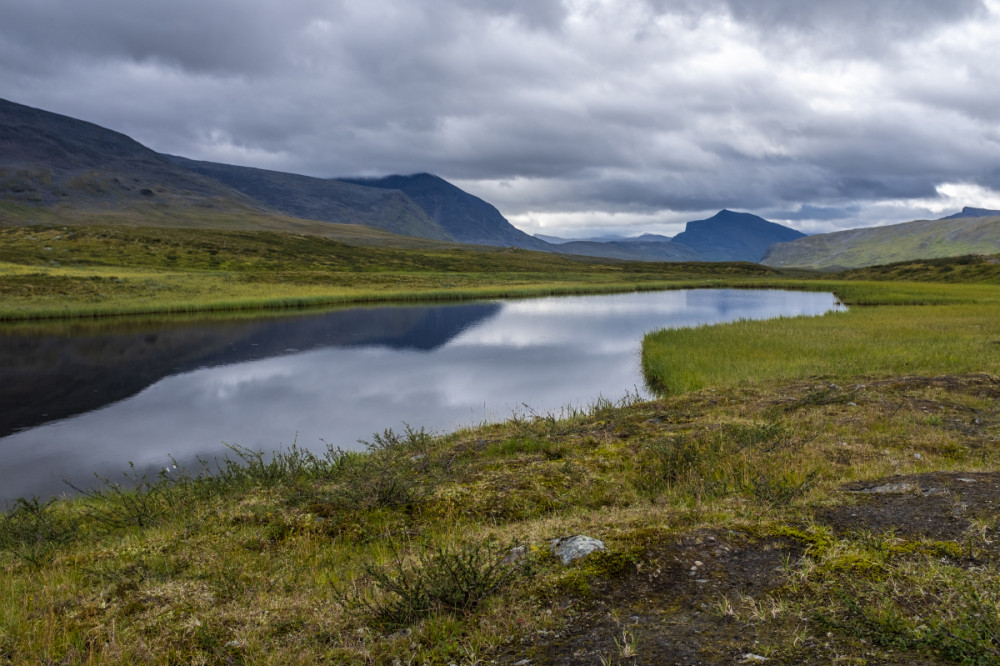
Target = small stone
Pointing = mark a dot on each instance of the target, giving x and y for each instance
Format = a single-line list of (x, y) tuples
[(514, 555), (918, 456), (568, 549), (699, 563), (751, 658), (966, 480), (523, 662), (701, 581)]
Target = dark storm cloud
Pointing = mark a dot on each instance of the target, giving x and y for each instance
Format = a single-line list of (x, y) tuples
[(547, 107), (219, 36)]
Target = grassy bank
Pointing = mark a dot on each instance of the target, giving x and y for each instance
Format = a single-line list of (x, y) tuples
[(728, 526), (48, 272), (946, 328)]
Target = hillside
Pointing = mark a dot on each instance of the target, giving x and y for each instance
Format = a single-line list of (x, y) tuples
[(465, 217), (323, 199), (59, 170), (731, 236), (47, 159), (921, 239)]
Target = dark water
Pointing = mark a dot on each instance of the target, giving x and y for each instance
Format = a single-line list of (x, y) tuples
[(85, 401)]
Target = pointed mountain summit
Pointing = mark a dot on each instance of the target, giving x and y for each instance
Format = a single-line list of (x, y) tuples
[(731, 236), (465, 217)]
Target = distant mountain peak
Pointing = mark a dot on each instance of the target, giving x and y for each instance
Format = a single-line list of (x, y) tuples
[(969, 211), (464, 216), (733, 236)]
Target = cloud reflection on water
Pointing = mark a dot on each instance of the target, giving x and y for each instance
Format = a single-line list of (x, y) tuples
[(540, 355)]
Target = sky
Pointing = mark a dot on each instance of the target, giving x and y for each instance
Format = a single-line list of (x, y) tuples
[(574, 117)]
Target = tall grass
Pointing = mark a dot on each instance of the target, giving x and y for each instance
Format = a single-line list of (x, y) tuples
[(864, 341)]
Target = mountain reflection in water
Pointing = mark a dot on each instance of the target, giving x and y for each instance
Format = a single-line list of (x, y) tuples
[(85, 401)]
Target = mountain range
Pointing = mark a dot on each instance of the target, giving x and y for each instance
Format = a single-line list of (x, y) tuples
[(60, 170)]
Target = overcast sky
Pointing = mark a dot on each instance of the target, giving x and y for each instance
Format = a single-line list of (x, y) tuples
[(573, 117)]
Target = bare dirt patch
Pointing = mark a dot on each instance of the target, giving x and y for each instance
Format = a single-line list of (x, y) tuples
[(935, 505), (669, 609)]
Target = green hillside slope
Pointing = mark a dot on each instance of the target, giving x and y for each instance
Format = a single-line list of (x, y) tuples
[(922, 239)]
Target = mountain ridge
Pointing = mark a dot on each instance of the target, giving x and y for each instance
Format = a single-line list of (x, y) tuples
[(323, 199), (466, 217), (969, 211)]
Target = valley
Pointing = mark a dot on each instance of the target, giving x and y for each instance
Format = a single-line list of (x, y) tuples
[(793, 490)]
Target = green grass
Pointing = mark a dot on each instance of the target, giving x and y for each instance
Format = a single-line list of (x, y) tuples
[(395, 553), (48, 272), (864, 341)]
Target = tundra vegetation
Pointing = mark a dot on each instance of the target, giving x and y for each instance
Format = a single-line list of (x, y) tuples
[(817, 490)]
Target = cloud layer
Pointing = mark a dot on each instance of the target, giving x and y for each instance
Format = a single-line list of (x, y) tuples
[(573, 116)]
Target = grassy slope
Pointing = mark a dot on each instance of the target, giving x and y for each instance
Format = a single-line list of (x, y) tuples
[(180, 215), (301, 560), (922, 239), (323, 199)]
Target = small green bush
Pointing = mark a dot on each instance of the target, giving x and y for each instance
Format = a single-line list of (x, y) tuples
[(443, 579), (32, 531)]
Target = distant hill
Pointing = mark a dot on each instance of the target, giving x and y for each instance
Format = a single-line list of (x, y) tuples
[(323, 199), (730, 236), (650, 238), (465, 217), (870, 246), (631, 250), (973, 212), (644, 238), (552, 240)]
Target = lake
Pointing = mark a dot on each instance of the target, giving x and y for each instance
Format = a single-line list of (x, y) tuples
[(91, 398)]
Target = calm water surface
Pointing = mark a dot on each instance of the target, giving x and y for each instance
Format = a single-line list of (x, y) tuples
[(85, 401)]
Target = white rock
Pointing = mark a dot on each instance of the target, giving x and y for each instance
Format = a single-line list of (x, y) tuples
[(572, 548)]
